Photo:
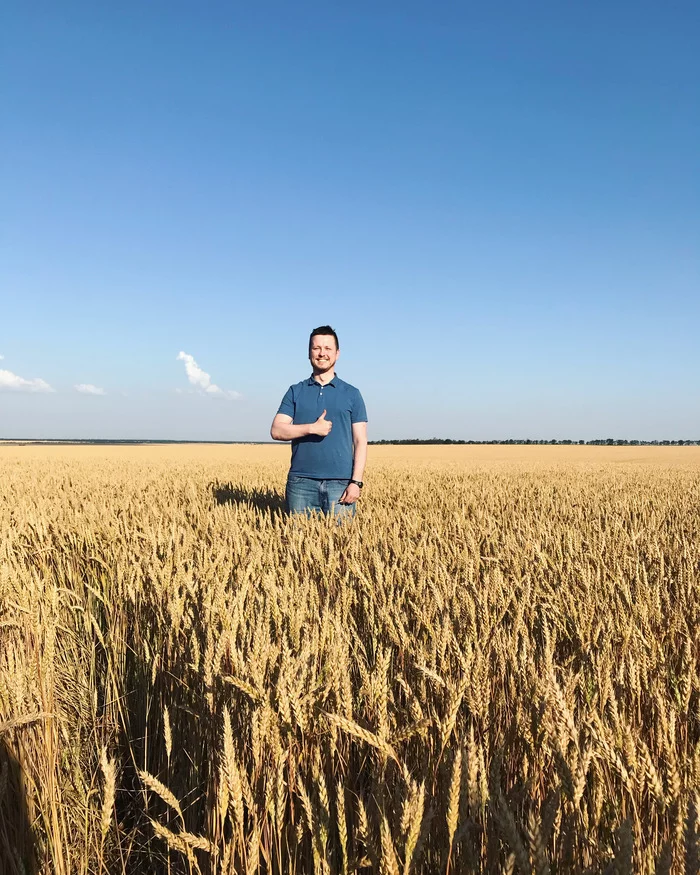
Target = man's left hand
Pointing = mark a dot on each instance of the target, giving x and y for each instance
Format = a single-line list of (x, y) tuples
[(351, 494)]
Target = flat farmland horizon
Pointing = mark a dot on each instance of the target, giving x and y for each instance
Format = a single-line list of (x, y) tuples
[(470, 455)]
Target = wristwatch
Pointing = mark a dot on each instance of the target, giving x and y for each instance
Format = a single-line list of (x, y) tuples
[(358, 483)]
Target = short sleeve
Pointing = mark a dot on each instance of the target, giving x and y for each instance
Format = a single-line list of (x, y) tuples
[(359, 411), (287, 405)]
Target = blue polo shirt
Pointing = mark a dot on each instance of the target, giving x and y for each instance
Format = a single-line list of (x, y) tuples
[(329, 457)]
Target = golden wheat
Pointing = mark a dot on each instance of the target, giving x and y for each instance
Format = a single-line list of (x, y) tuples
[(493, 668)]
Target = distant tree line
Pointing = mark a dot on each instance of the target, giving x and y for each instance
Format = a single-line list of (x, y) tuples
[(600, 442)]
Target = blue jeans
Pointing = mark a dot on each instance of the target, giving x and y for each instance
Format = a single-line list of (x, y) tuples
[(307, 495)]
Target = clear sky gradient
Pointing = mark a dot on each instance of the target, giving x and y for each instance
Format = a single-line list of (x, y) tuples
[(496, 205)]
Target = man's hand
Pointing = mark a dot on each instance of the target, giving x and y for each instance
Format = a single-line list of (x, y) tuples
[(322, 426), (351, 494)]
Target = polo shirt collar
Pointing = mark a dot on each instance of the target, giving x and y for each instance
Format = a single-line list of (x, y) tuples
[(333, 382)]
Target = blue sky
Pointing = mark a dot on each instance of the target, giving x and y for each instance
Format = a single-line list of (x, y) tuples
[(497, 206)]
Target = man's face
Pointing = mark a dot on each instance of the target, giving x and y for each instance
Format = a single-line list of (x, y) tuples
[(323, 353)]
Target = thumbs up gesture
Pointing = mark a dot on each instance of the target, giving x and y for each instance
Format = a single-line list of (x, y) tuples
[(322, 426)]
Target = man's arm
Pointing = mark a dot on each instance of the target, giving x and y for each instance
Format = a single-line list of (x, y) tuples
[(359, 443), (283, 428)]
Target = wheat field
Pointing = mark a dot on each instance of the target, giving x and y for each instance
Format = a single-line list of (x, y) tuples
[(493, 668)]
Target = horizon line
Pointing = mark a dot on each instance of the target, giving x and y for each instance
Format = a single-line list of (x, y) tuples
[(414, 441)]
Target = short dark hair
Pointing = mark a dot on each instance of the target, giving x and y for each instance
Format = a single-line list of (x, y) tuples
[(323, 329)]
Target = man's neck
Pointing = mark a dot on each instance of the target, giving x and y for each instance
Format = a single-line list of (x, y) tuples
[(324, 378)]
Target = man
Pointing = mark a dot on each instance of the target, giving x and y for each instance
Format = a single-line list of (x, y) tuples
[(325, 419)]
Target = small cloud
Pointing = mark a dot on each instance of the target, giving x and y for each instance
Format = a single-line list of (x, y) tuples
[(8, 380), (88, 389), (202, 380), (195, 374), (230, 394)]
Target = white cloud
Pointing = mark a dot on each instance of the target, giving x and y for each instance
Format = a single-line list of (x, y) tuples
[(8, 380), (88, 389), (202, 380), (195, 374)]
